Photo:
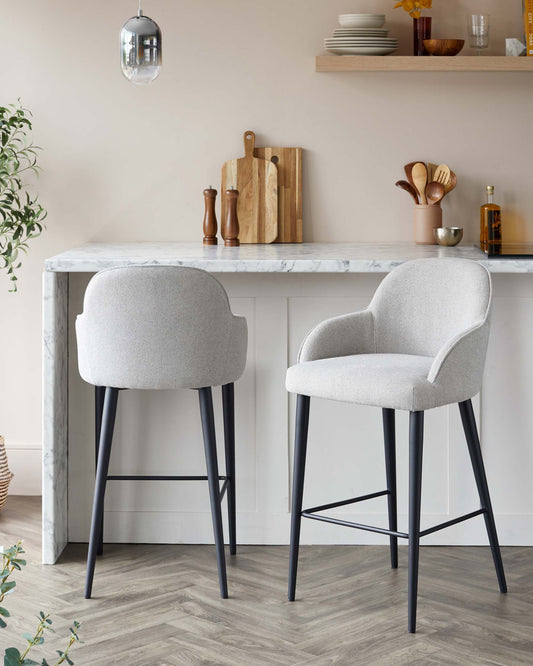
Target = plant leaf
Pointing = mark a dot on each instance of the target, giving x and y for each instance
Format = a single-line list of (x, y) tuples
[(12, 657)]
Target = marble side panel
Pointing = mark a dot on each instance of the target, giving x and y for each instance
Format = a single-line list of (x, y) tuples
[(55, 415), (273, 258)]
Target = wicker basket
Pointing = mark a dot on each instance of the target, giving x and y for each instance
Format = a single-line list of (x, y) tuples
[(5, 474)]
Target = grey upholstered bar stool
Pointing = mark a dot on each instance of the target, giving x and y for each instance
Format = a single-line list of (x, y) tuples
[(162, 327), (420, 344)]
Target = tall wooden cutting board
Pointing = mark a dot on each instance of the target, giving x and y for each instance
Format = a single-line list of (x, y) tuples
[(257, 182), (289, 163)]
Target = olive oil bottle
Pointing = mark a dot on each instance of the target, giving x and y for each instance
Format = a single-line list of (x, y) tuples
[(491, 225)]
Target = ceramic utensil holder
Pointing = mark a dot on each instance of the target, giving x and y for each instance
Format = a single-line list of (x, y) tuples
[(427, 218)]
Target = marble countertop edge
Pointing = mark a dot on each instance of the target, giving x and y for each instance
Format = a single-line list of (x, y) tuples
[(274, 258)]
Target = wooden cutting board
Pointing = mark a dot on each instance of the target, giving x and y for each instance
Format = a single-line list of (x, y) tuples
[(257, 182), (289, 163)]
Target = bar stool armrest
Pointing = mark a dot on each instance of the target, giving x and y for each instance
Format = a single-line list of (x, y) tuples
[(340, 336), (458, 367), (238, 344)]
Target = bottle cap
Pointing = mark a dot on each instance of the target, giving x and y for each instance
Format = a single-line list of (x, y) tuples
[(490, 188)]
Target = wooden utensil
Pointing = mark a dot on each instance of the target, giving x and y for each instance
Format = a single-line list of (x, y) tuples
[(442, 174), (452, 183), (257, 182), (404, 185), (434, 192), (419, 175), (289, 164), (408, 168), (431, 172)]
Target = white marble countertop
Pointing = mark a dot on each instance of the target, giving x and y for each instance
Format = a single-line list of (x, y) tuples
[(282, 258)]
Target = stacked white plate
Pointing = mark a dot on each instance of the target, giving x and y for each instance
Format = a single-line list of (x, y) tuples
[(361, 20), (361, 34)]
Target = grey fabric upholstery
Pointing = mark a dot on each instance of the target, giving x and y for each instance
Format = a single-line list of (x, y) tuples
[(159, 327), (421, 343)]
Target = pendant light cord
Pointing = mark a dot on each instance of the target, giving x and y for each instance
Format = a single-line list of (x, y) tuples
[(140, 10)]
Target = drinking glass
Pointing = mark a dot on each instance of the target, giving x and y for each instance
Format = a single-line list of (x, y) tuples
[(479, 31)]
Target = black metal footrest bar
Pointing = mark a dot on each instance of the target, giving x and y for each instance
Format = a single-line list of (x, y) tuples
[(130, 477), (334, 505), (311, 513), (357, 526), (162, 478), (449, 523), (223, 489)]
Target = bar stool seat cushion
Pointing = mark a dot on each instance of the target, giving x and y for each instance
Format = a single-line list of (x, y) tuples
[(395, 381)]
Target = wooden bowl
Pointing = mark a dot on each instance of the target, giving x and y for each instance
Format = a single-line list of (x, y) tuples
[(443, 47)]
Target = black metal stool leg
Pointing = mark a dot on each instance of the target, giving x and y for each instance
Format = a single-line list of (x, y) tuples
[(416, 441), (389, 432), (208, 426), (104, 453), (228, 404), (474, 448), (300, 449), (99, 394)]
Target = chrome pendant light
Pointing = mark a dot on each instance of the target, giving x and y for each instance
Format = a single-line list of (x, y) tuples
[(140, 49)]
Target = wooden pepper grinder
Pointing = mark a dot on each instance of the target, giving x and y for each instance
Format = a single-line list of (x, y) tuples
[(231, 228), (210, 217)]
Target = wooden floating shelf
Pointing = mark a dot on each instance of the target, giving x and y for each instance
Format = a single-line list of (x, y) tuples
[(347, 63)]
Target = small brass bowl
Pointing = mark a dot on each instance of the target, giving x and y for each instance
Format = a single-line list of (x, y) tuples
[(448, 236), (444, 47)]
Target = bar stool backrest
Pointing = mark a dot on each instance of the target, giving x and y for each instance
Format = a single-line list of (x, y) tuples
[(423, 304), (159, 327)]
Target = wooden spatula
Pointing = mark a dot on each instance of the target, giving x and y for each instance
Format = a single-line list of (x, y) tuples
[(404, 185), (442, 175), (257, 182), (452, 183), (420, 179), (431, 172)]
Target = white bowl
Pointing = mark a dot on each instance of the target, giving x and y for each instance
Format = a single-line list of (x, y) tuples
[(361, 20)]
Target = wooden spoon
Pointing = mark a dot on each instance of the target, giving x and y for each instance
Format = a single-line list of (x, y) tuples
[(434, 192), (404, 185), (420, 179), (442, 174), (408, 168)]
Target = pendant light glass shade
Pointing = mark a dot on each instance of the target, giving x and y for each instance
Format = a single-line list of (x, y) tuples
[(140, 49)]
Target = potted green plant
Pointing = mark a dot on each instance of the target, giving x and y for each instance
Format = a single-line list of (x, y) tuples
[(21, 216)]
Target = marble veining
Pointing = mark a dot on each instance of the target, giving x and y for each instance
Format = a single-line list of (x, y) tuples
[(274, 258), (55, 415)]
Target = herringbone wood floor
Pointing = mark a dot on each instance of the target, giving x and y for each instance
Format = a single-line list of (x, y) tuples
[(159, 605)]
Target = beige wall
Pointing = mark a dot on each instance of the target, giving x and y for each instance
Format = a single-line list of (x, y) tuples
[(128, 163)]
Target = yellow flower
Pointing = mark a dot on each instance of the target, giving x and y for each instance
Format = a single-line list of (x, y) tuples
[(413, 7)]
